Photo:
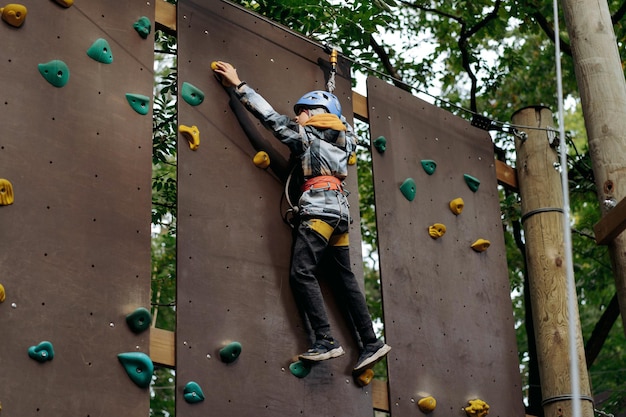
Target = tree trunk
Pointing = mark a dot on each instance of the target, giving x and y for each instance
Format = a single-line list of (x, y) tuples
[(542, 217), (602, 88)]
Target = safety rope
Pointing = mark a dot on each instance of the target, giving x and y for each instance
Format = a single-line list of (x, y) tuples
[(572, 299)]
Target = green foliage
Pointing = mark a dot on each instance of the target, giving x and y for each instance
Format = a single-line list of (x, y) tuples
[(164, 128), (163, 277)]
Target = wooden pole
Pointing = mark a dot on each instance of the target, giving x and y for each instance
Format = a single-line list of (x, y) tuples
[(600, 78), (542, 210)]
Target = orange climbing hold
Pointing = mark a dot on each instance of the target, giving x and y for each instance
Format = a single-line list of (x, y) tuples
[(437, 230), (477, 408), (456, 205), (481, 245), (192, 134), (14, 14), (427, 404), (365, 378), (6, 192), (3, 295), (261, 159), (65, 3), (352, 158)]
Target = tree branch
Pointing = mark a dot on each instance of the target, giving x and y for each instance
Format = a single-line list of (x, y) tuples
[(601, 331), (619, 14), (384, 57), (463, 41), (549, 31)]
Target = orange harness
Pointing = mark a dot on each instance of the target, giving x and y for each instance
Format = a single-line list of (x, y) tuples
[(322, 182)]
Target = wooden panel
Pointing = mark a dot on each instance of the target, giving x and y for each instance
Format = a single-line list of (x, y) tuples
[(165, 15), (233, 247), (75, 245), (611, 225), (162, 347), (448, 313)]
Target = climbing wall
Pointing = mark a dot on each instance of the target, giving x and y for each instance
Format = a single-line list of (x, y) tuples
[(447, 309), (233, 247), (75, 240)]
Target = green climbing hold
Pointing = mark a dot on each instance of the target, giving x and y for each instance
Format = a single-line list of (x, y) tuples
[(230, 352), (191, 94), (471, 182), (408, 189), (42, 352), (429, 166), (380, 143), (300, 369), (100, 51), (192, 393), (139, 320), (143, 27), (138, 366), (139, 103), (55, 72)]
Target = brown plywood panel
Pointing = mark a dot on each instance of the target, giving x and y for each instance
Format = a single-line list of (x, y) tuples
[(75, 245), (233, 247), (448, 313)]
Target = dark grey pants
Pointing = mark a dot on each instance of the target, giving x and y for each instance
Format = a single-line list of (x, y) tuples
[(310, 248)]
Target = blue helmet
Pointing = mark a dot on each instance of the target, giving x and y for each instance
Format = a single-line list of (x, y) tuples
[(319, 98)]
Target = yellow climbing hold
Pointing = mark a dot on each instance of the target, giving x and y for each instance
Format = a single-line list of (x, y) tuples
[(261, 159), (6, 192), (456, 205), (352, 158), (3, 295), (214, 65), (427, 404), (14, 14), (65, 3), (481, 245), (192, 134), (477, 408), (365, 378), (437, 230)]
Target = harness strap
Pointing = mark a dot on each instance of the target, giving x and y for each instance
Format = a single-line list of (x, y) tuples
[(321, 227), (326, 231), (322, 182), (340, 240)]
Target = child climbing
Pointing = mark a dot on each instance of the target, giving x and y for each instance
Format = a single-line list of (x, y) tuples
[(322, 141)]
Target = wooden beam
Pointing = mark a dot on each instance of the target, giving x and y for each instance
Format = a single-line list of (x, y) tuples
[(165, 16), (611, 224), (162, 347), (359, 107), (507, 175), (380, 396)]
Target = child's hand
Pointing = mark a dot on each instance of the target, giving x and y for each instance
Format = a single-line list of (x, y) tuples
[(227, 72)]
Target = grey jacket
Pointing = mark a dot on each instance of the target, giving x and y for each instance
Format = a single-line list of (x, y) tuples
[(321, 152)]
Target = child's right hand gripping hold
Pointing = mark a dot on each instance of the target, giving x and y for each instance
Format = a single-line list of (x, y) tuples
[(227, 73)]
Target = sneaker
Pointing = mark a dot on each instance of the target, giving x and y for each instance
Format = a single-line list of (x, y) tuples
[(372, 353), (323, 349)]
